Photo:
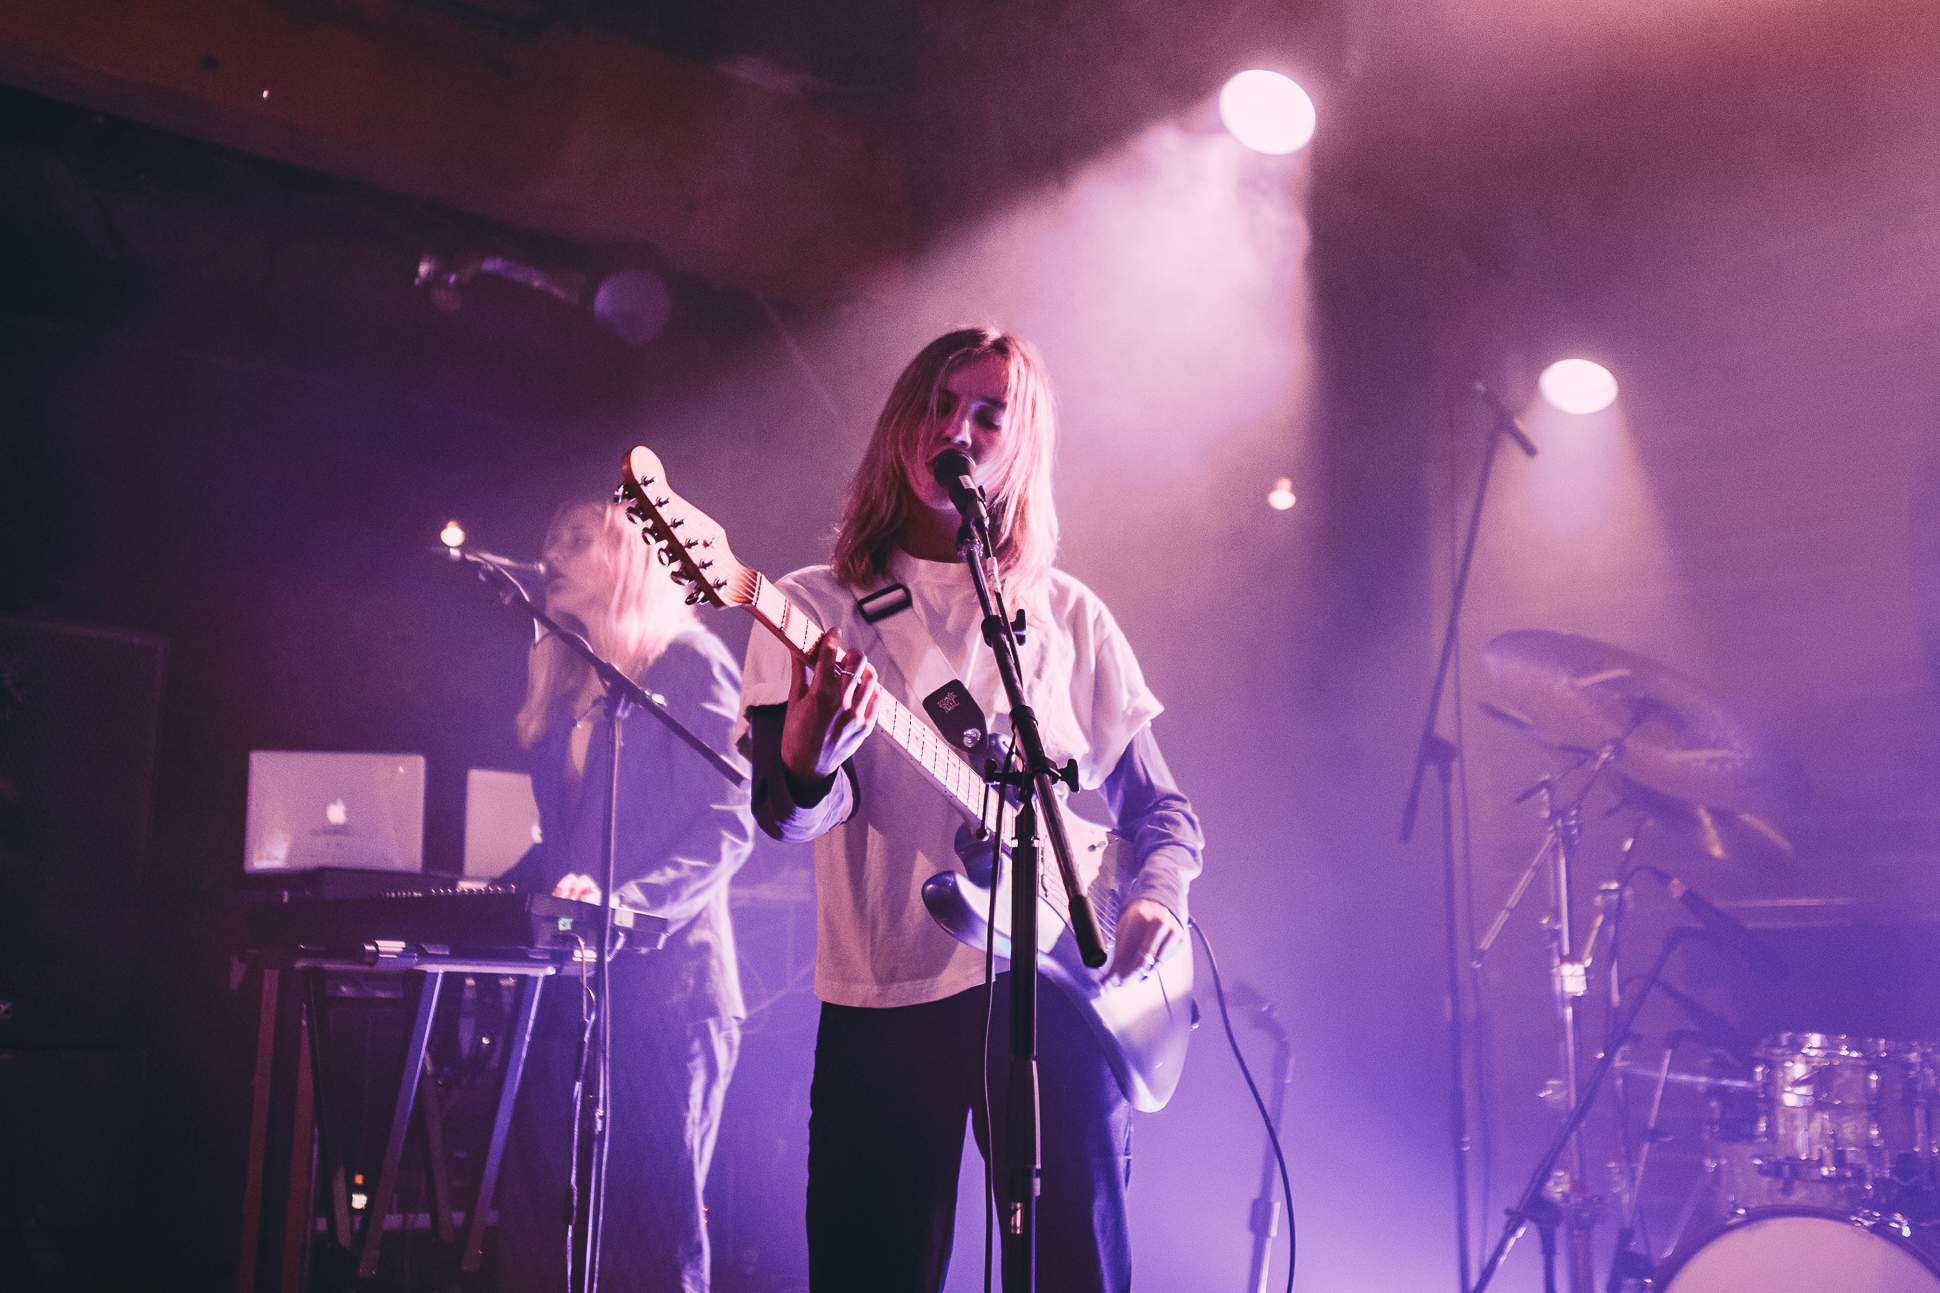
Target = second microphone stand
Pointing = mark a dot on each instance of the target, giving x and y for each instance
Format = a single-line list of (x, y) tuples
[(622, 696), (1033, 784), (1436, 751)]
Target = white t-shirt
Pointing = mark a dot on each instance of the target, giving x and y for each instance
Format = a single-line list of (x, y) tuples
[(876, 944)]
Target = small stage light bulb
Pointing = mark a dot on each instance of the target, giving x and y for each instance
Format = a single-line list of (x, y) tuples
[(453, 535), (1267, 112), (1280, 497), (1578, 386)]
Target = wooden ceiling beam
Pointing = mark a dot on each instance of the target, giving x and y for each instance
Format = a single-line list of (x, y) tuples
[(576, 132)]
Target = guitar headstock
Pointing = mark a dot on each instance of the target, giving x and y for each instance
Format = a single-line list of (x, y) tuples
[(692, 545)]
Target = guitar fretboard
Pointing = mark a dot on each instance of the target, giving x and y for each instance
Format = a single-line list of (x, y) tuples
[(910, 734)]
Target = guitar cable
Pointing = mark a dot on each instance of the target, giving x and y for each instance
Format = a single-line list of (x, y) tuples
[(1272, 1135)]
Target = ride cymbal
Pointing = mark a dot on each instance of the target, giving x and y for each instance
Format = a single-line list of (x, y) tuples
[(1668, 734)]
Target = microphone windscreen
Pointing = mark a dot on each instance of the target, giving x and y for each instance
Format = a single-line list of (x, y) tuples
[(950, 466)]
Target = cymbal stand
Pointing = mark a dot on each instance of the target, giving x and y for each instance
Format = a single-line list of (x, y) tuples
[(1528, 1204), (1569, 978)]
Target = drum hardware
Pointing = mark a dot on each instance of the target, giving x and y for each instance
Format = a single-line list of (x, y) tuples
[(1570, 965), (1802, 1250), (1842, 1124), (1628, 1266), (1520, 1215), (1546, 1214), (1684, 759), (1690, 1079)]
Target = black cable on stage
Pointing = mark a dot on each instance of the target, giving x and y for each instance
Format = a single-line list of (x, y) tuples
[(1272, 1136)]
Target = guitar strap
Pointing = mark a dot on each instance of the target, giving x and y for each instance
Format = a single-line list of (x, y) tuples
[(924, 676)]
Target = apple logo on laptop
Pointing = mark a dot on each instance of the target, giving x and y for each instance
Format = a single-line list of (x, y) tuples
[(336, 814)]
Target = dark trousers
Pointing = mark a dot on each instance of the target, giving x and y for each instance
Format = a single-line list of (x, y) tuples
[(891, 1091), (669, 1078)]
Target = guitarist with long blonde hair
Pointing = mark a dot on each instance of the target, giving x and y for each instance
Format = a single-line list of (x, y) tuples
[(900, 1052), (683, 831)]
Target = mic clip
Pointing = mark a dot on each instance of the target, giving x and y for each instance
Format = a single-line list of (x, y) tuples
[(991, 631)]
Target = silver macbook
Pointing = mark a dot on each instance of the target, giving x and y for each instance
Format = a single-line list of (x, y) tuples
[(501, 821), (310, 809)]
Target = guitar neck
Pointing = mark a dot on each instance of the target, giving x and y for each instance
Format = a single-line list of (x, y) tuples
[(917, 740)]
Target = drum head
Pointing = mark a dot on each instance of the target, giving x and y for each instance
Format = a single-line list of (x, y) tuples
[(1792, 1250)]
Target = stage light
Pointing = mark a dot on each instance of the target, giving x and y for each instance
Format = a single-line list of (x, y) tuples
[(1280, 497), (453, 535), (1267, 112), (1578, 386)]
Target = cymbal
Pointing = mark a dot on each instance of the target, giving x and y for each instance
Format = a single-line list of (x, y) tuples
[(1669, 735), (1726, 834)]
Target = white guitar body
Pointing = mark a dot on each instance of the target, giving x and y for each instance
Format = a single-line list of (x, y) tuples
[(1143, 1024)]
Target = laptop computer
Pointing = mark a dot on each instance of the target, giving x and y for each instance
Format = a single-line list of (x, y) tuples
[(501, 821), (312, 809)]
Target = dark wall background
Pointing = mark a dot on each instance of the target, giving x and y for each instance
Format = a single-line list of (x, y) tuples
[(231, 420), (234, 423)]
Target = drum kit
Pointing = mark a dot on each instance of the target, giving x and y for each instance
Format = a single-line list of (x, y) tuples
[(1821, 1151)]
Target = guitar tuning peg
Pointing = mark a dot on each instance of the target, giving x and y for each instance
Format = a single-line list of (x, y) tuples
[(719, 584), (693, 598), (706, 565), (676, 523), (662, 501), (666, 557), (646, 481)]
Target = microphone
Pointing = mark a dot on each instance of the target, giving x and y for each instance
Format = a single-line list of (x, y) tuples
[(1712, 1028), (1506, 420), (512, 564), (953, 470), (1769, 965)]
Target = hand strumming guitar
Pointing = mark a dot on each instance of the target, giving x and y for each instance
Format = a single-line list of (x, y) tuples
[(1148, 933)]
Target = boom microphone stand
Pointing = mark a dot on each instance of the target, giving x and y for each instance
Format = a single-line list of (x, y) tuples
[(1033, 784), (1529, 1205), (623, 695), (1441, 753)]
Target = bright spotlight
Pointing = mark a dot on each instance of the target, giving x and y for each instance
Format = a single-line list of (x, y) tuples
[(1578, 386), (1280, 497), (1267, 112), (453, 535)]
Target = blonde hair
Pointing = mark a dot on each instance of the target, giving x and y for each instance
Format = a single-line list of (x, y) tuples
[(646, 612), (1023, 518)]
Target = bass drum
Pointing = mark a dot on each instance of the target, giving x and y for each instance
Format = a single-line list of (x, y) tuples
[(1799, 1250)]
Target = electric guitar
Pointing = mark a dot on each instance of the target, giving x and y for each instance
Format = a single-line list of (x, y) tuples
[(1142, 1024)]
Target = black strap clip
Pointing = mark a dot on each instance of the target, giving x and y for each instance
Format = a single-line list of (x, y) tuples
[(883, 603)]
